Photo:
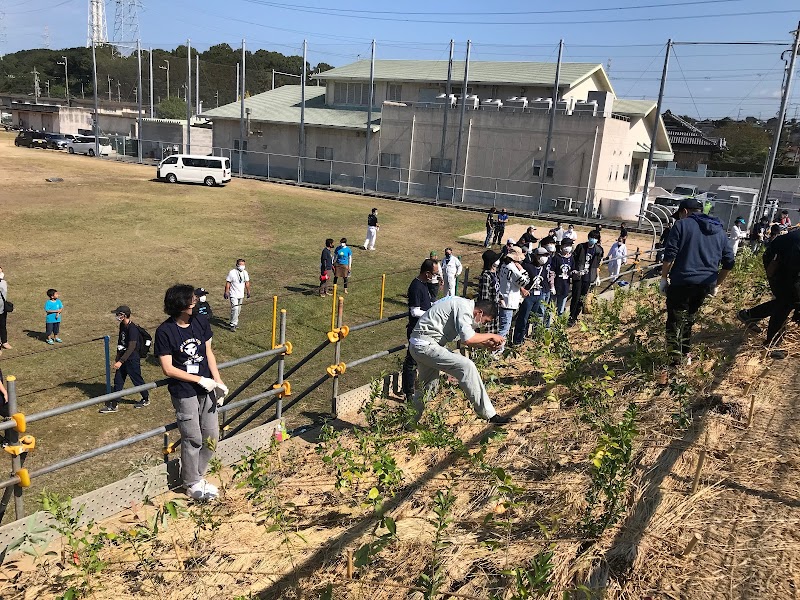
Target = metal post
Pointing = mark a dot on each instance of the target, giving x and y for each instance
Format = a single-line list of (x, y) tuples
[(461, 121), (659, 103), (333, 308), (152, 107), (197, 83), (466, 161), (96, 124), (238, 83), (189, 97), (448, 90), (383, 292), (589, 180), (369, 116), (12, 439), (787, 90), (66, 78), (411, 157), (107, 348), (337, 357), (281, 363), (551, 124), (139, 102), (273, 80), (274, 318), (301, 150), (466, 282), (241, 89)]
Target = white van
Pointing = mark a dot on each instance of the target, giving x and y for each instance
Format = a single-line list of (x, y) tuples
[(84, 144), (210, 170)]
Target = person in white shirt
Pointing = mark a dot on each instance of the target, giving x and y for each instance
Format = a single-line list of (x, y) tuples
[(513, 279), (558, 232), (237, 286), (372, 230), (738, 233), (451, 268), (571, 234), (617, 256)]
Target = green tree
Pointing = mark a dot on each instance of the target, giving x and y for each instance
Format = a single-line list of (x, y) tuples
[(747, 144), (174, 108)]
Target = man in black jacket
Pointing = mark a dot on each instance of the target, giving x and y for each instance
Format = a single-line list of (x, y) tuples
[(587, 258), (326, 268), (782, 263), (419, 300), (127, 363)]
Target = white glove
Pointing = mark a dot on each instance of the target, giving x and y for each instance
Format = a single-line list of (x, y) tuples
[(207, 384), (716, 290), (663, 285), (221, 393)]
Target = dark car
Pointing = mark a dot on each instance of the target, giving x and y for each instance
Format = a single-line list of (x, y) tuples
[(56, 141), (31, 139)]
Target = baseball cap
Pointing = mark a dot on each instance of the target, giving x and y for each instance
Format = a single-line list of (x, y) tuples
[(200, 292), (123, 310), (516, 254), (511, 241), (489, 258), (688, 204)]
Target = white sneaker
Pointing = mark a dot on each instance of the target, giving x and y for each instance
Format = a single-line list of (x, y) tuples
[(211, 489), (197, 491)]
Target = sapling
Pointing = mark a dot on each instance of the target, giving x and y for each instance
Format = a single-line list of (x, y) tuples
[(432, 581)]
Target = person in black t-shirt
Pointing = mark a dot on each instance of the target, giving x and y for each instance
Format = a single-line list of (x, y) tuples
[(587, 262), (419, 300), (202, 307), (326, 268), (372, 230), (183, 347), (127, 363)]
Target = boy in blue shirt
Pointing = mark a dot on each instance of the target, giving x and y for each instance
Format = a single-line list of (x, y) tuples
[(343, 258), (52, 309)]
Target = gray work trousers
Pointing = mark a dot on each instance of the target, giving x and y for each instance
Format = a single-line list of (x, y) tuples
[(236, 309), (197, 423), (434, 358)]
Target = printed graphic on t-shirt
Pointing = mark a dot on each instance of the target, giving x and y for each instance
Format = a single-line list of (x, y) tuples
[(191, 348), (564, 271)]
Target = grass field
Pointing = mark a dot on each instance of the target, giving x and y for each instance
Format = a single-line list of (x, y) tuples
[(108, 234)]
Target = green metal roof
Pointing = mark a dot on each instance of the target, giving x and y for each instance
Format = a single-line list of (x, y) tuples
[(633, 108), (282, 105), (480, 72)]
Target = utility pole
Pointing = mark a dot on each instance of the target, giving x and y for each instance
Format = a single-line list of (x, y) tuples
[(766, 183), (119, 92), (47, 85), (167, 70), (448, 89), (36, 89), (83, 94), (461, 123), (273, 80), (66, 77), (551, 124), (654, 135), (96, 123), (188, 97), (369, 112), (109, 87), (216, 96), (139, 101), (240, 90), (152, 114), (238, 82), (197, 84), (301, 154)]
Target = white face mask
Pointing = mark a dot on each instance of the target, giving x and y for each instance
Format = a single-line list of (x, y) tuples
[(120, 318), (202, 298), (566, 251), (240, 267), (550, 248), (541, 260), (2, 275)]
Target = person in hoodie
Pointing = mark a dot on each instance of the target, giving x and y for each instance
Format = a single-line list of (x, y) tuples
[(540, 287), (587, 262), (696, 248), (513, 281), (562, 266)]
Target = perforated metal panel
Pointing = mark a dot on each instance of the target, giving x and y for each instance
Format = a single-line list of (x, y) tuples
[(351, 402), (114, 498)]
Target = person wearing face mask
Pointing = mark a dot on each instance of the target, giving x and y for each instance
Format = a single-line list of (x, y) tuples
[(202, 307), (562, 265), (343, 263), (3, 312), (451, 268), (500, 226), (489, 285), (558, 232), (571, 234), (738, 233), (326, 268), (617, 256), (513, 288), (237, 285), (587, 262), (128, 361), (539, 289), (528, 240), (446, 321), (372, 230), (419, 300)]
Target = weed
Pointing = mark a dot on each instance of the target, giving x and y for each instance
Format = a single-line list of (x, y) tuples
[(682, 392), (507, 504), (442, 506), (534, 580), (367, 553)]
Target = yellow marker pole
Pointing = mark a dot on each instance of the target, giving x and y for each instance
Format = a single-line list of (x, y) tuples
[(333, 309), (274, 318), (383, 291)]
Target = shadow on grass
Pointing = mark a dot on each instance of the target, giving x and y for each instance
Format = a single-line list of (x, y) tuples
[(36, 335)]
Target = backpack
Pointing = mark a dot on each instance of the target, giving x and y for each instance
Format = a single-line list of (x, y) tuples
[(147, 341)]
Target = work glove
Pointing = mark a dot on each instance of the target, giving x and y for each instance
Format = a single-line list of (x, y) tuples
[(226, 296), (663, 285), (715, 291), (207, 384), (222, 391)]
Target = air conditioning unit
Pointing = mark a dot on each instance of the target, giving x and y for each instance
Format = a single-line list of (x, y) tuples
[(442, 99), (470, 101), (491, 104), (586, 109), (542, 104), (517, 102)]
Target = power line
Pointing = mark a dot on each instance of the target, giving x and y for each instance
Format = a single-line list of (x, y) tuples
[(686, 82)]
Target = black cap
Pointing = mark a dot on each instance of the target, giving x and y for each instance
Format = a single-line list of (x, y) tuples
[(123, 310), (489, 258), (688, 204), (200, 292)]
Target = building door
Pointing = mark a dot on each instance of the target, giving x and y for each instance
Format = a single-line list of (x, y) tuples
[(636, 172)]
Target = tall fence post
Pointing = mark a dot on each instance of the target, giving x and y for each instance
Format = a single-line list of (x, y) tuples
[(107, 347), (281, 363), (466, 282), (337, 356), (12, 439), (383, 292), (635, 265), (274, 317)]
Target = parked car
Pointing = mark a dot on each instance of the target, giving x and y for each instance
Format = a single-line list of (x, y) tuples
[(56, 141), (31, 139), (210, 170), (85, 144)]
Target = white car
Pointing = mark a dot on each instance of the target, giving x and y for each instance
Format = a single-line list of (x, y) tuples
[(210, 170), (85, 144)]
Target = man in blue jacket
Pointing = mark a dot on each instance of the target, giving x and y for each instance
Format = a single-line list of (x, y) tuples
[(694, 251)]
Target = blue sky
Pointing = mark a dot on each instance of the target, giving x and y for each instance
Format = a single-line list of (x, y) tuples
[(711, 81)]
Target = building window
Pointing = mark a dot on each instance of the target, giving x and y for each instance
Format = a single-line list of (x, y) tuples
[(616, 173), (324, 153), (441, 165), (394, 92), (354, 94), (610, 172), (537, 168), (390, 160), (626, 171)]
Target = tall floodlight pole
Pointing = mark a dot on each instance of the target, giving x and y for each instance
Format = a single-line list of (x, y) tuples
[(551, 124), (96, 123), (369, 115), (197, 83), (167, 70), (238, 83), (766, 182), (448, 89), (189, 97), (242, 132), (654, 136), (461, 123), (66, 77), (139, 101), (302, 140), (152, 113)]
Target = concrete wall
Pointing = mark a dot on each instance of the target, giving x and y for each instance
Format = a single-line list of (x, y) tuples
[(785, 189), (62, 119)]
